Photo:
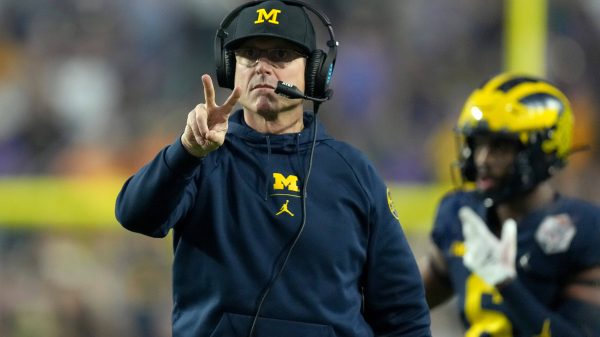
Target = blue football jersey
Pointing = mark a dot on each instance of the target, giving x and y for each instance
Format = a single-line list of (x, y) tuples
[(554, 243)]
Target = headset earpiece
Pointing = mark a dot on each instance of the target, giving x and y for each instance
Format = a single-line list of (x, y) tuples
[(313, 87), (229, 69), (220, 53)]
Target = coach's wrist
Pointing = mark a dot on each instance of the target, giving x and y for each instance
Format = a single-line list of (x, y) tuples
[(192, 149)]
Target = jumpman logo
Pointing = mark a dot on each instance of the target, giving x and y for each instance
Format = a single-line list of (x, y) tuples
[(284, 208)]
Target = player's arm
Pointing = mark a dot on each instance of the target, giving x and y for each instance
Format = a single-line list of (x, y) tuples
[(585, 286), (494, 261), (582, 301), (434, 271), (577, 316)]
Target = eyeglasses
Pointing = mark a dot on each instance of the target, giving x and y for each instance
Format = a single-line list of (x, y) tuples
[(278, 57)]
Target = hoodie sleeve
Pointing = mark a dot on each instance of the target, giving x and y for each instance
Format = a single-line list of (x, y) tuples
[(160, 193), (394, 295)]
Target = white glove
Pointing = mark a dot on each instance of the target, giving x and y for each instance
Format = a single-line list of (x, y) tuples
[(492, 259)]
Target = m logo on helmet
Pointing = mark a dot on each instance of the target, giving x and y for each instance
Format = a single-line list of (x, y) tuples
[(290, 182), (271, 16)]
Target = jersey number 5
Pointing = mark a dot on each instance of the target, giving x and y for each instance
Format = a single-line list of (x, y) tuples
[(483, 321)]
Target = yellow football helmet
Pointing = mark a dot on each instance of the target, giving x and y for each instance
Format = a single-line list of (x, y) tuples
[(525, 108)]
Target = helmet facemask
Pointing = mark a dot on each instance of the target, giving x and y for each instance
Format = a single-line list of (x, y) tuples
[(531, 165)]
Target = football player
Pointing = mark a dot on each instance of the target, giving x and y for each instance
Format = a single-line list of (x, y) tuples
[(523, 259)]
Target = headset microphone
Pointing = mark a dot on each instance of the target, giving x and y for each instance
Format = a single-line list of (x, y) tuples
[(291, 91)]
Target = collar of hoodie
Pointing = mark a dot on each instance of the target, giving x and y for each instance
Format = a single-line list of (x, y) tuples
[(298, 143)]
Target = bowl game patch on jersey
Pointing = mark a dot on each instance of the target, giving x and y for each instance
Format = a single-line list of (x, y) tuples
[(555, 233)]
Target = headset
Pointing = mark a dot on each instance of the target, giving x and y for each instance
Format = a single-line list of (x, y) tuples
[(319, 66)]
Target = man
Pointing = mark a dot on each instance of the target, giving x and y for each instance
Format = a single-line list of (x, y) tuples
[(276, 233), (523, 259)]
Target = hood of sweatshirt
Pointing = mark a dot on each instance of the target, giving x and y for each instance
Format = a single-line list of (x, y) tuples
[(299, 143), (280, 143)]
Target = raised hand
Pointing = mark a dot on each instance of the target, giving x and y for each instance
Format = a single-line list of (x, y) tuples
[(207, 124), (491, 258)]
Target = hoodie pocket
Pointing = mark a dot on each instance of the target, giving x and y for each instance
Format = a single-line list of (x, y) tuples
[(235, 325)]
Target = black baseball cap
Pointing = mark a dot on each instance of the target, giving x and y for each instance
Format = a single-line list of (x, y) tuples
[(273, 19)]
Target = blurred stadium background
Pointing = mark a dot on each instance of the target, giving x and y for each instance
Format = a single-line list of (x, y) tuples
[(91, 89)]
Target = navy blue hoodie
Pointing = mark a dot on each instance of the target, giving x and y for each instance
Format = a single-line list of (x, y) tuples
[(234, 216)]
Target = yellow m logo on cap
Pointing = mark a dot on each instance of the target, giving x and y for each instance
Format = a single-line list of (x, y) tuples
[(271, 17), (281, 182)]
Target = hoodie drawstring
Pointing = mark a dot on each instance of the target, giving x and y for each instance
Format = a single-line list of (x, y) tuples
[(267, 167), (299, 157)]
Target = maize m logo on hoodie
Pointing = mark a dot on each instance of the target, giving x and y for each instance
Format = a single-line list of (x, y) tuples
[(282, 182), (271, 16)]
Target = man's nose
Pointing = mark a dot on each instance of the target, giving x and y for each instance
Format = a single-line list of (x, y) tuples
[(263, 64)]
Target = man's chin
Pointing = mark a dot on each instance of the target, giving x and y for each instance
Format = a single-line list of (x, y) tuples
[(266, 101), (267, 111)]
